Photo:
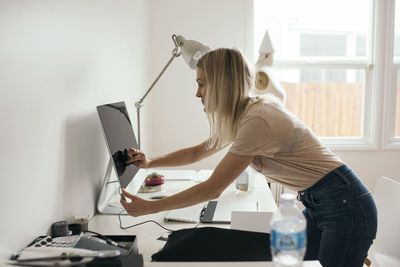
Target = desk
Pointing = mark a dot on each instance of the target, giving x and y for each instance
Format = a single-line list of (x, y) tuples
[(148, 233)]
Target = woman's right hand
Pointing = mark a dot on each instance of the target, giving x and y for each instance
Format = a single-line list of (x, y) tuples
[(138, 158)]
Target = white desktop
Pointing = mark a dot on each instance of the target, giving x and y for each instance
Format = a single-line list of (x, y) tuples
[(149, 234)]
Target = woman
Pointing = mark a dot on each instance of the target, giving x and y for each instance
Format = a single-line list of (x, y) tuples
[(340, 211)]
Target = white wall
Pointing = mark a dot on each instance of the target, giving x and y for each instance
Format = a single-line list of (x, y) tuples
[(58, 61), (178, 119)]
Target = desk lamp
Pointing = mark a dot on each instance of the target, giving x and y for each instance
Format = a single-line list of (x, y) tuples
[(191, 51)]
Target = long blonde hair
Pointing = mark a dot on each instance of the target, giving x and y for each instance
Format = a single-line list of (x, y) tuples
[(229, 81)]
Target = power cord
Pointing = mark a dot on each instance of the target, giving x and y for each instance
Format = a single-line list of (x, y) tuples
[(134, 225), (108, 240), (137, 224)]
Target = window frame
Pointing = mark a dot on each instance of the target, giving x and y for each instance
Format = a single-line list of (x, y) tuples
[(389, 140)]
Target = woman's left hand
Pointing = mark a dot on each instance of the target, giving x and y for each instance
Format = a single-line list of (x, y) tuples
[(137, 206)]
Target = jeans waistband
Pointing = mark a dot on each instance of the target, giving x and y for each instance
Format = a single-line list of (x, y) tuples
[(341, 172)]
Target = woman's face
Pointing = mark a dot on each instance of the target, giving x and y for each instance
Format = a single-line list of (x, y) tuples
[(202, 84)]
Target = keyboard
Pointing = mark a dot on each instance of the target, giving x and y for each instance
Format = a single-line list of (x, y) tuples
[(189, 214), (62, 241)]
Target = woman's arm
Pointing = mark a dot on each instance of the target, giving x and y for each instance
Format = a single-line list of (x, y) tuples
[(225, 173), (178, 158)]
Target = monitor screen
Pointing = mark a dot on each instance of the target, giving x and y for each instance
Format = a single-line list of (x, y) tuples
[(119, 135)]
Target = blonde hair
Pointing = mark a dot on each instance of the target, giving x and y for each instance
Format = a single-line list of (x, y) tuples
[(229, 81)]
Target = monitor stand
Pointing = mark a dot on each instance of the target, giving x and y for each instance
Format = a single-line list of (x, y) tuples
[(108, 202)]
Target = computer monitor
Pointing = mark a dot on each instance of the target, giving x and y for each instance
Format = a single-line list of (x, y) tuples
[(119, 136)]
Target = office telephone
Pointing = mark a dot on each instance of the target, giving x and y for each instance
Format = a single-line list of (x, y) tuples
[(61, 241)]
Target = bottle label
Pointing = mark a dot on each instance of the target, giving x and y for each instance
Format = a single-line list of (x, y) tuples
[(288, 241), (242, 182)]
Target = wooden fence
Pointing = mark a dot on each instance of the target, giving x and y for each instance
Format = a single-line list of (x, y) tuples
[(331, 109)]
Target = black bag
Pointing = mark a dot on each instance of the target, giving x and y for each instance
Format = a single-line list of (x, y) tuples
[(133, 260), (215, 244)]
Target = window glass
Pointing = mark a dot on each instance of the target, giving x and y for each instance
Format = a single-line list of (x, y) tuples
[(361, 46), (330, 107), (318, 28), (322, 75), (396, 46), (396, 53), (322, 45)]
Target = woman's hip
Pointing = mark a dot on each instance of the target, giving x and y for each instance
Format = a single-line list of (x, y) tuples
[(340, 201)]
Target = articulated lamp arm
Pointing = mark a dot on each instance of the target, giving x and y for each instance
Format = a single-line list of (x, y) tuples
[(175, 53), (191, 51)]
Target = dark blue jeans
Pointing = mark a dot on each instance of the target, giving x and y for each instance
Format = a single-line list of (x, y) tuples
[(341, 219)]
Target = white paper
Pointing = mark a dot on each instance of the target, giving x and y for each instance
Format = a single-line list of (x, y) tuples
[(178, 175), (224, 209), (251, 221)]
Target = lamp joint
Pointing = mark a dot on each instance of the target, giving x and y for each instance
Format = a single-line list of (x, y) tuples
[(138, 104)]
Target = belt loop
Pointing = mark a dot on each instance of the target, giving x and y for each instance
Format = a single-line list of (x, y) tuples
[(300, 195), (341, 175)]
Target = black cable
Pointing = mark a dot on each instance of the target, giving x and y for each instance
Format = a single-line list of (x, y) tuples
[(108, 240), (134, 225), (97, 234)]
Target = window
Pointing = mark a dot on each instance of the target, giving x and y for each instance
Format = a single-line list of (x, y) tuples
[(391, 125), (396, 66), (397, 109), (326, 58)]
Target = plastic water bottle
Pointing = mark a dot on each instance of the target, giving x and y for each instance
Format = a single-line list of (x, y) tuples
[(245, 182), (288, 233), (242, 182)]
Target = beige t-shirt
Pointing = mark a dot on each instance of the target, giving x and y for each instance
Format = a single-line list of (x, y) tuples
[(285, 150)]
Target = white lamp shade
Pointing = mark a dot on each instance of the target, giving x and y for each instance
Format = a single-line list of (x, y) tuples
[(192, 50)]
